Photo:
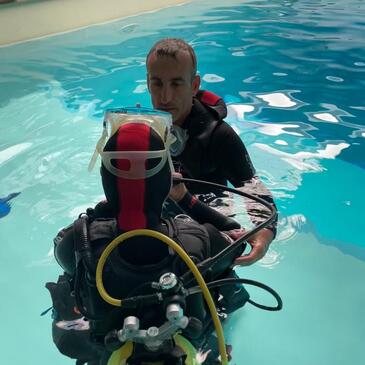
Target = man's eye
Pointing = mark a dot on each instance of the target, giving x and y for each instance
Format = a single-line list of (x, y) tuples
[(156, 83), (177, 83)]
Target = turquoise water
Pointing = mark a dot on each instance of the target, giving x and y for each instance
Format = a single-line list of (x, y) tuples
[(293, 74)]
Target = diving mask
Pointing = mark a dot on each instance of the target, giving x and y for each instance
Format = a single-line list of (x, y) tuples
[(159, 121)]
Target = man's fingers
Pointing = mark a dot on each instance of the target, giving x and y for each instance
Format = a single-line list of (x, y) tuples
[(244, 260), (255, 254)]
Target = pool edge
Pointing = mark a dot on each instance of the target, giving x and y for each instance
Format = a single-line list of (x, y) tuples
[(27, 21)]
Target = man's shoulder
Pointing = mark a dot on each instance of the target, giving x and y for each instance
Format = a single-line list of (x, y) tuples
[(207, 108), (223, 130), (213, 103)]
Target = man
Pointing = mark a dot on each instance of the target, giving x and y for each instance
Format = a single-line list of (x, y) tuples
[(207, 148), (136, 177)]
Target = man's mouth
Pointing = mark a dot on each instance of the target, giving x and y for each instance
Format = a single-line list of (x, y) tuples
[(169, 109)]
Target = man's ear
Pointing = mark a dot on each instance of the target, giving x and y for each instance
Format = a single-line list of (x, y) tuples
[(196, 84)]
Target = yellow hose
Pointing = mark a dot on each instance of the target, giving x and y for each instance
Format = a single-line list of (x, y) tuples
[(120, 356), (185, 257), (188, 348)]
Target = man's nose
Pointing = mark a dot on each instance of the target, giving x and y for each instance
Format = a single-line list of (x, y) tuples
[(166, 94)]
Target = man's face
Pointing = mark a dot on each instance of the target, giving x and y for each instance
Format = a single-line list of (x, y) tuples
[(171, 85)]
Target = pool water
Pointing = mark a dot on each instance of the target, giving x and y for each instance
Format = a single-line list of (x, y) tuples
[(293, 74)]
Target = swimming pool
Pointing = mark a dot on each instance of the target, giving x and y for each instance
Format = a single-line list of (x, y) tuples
[(293, 73)]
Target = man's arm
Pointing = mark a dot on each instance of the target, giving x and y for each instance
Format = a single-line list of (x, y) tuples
[(198, 210), (259, 245), (218, 242), (235, 164), (230, 155)]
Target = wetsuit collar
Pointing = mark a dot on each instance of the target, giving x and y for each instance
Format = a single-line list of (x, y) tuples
[(206, 105), (194, 123)]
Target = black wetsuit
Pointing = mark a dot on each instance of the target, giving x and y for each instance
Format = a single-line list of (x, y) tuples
[(215, 153), (135, 263)]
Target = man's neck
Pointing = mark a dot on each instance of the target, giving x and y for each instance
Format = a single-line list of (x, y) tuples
[(180, 122)]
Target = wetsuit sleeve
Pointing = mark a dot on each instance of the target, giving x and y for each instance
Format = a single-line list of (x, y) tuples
[(234, 163), (230, 155), (202, 213)]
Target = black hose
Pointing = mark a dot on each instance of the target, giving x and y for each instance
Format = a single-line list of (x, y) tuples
[(206, 265), (221, 282), (82, 245)]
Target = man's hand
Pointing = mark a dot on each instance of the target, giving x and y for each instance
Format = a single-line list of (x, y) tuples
[(177, 191), (259, 245)]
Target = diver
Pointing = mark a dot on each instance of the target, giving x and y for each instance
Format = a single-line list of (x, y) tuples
[(136, 174), (207, 148)]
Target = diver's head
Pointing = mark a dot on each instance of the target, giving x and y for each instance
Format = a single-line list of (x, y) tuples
[(136, 175), (171, 77)]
